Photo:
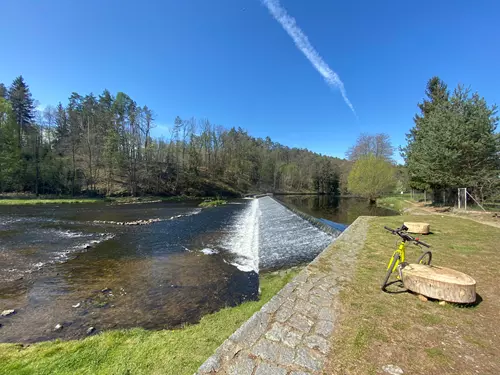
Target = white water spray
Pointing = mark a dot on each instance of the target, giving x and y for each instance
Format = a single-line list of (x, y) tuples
[(244, 239)]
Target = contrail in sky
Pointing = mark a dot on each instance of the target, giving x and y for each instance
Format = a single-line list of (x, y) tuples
[(302, 42)]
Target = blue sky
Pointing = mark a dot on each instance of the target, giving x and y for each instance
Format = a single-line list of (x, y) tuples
[(230, 61)]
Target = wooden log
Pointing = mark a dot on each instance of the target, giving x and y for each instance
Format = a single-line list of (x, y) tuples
[(421, 228), (440, 283)]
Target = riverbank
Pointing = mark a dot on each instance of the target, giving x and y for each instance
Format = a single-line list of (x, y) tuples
[(291, 333), (6, 200), (212, 203), (379, 329), (137, 351), (397, 203)]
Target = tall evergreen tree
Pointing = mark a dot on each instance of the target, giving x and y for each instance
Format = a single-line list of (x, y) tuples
[(3, 91), (22, 104), (10, 154), (453, 143)]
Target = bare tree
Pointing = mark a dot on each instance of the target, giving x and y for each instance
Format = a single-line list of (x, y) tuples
[(378, 145)]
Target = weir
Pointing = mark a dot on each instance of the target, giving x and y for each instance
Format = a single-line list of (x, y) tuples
[(292, 333), (170, 272), (267, 235)]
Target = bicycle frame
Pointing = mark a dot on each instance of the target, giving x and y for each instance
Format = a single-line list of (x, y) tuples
[(397, 260), (401, 250)]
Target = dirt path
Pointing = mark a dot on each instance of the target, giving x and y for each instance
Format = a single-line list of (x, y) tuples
[(482, 217)]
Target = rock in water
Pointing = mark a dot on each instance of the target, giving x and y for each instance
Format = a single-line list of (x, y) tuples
[(58, 327), (7, 312), (90, 330), (392, 370)]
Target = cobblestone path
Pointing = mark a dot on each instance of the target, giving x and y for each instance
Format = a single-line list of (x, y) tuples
[(291, 334)]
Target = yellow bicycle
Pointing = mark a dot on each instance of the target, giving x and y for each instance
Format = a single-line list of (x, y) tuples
[(397, 261)]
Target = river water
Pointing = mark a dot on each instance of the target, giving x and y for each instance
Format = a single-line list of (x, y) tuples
[(336, 209), (79, 266)]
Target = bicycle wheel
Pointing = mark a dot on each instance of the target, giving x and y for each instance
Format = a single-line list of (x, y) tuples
[(389, 270), (425, 258)]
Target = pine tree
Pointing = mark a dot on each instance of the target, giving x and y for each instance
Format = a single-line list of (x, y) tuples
[(3, 91), (453, 143), (22, 104), (10, 154)]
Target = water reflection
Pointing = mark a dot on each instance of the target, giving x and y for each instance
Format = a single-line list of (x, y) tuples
[(336, 209)]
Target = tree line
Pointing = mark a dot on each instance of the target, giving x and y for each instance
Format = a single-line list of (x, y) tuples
[(453, 144), (103, 145)]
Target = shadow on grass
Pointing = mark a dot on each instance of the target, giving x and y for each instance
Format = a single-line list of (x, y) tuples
[(399, 284), (395, 284)]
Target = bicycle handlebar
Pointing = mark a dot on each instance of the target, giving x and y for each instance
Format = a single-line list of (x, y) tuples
[(401, 232)]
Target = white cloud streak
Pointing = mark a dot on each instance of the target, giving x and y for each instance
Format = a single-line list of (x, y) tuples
[(302, 42)]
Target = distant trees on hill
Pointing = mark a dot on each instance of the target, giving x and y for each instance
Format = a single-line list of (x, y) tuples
[(104, 145)]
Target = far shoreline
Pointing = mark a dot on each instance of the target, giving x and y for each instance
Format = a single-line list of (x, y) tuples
[(24, 201)]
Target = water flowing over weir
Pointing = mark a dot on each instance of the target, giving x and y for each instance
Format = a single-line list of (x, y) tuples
[(75, 266), (244, 239), (266, 235)]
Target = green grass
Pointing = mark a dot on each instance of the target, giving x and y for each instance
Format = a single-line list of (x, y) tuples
[(9, 202), (379, 328), (396, 203), (118, 200), (435, 353), (212, 203), (137, 351)]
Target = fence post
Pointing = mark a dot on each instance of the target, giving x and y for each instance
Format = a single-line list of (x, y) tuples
[(465, 199)]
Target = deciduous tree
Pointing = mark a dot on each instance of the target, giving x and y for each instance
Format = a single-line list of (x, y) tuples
[(370, 177)]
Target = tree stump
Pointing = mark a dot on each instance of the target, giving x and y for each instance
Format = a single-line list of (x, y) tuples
[(420, 228), (440, 283)]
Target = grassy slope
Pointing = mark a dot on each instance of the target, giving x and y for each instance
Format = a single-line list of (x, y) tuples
[(11, 202), (396, 202), (117, 200), (212, 203), (138, 351), (421, 337)]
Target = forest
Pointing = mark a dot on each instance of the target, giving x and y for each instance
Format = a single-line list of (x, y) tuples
[(103, 146)]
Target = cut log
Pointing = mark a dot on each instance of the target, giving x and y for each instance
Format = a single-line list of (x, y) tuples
[(420, 228), (440, 283)]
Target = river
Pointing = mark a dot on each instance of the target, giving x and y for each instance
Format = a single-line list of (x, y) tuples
[(81, 266), (336, 209)]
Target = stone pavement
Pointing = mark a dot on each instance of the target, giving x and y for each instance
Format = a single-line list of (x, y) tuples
[(291, 334)]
